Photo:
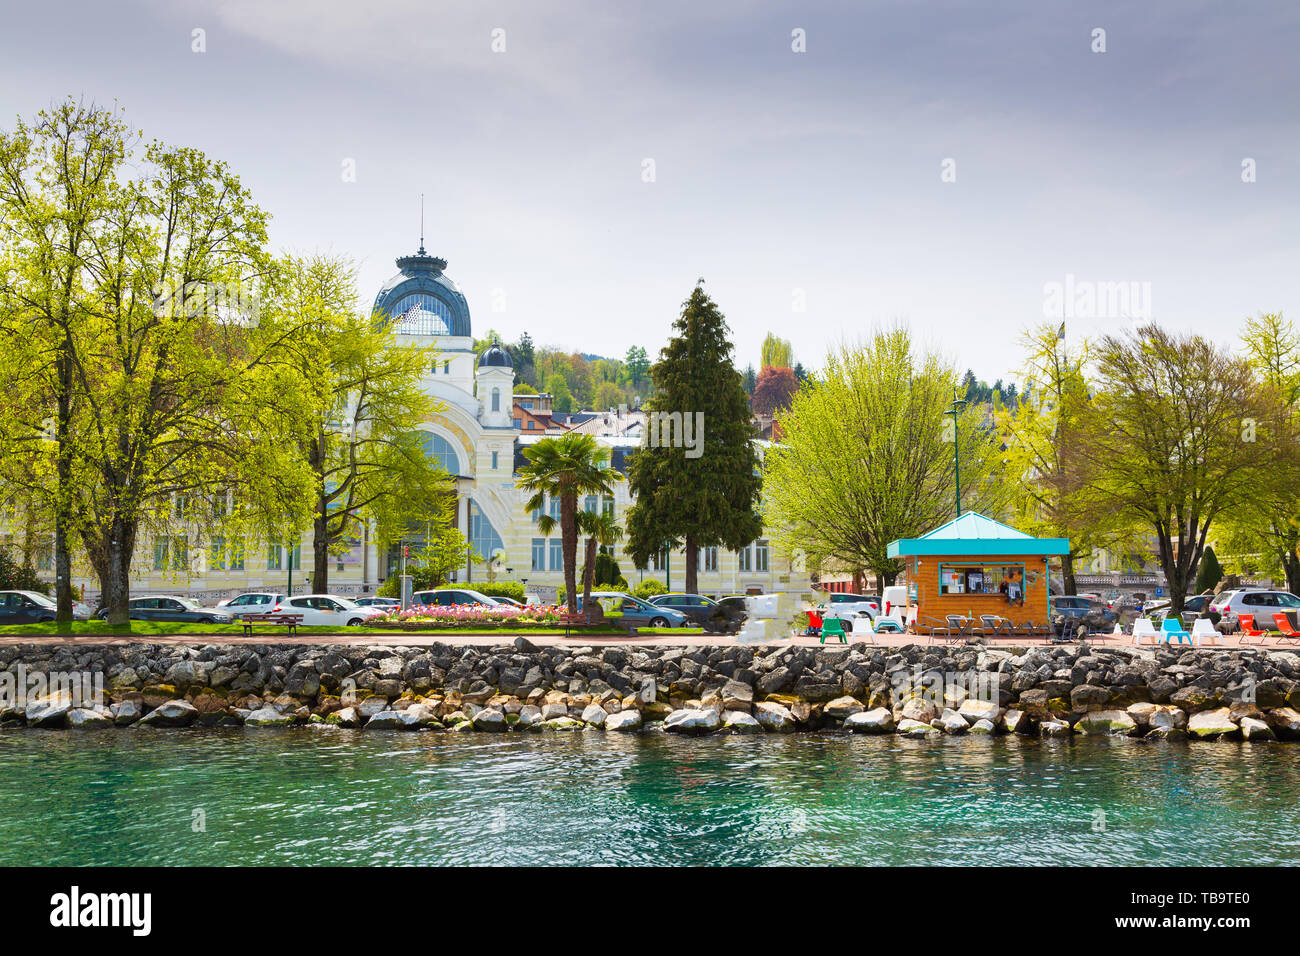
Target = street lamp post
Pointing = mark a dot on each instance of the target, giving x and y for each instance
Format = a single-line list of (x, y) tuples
[(957, 405)]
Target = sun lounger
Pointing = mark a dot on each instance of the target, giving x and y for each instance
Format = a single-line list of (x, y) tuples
[(1285, 630), (1248, 629)]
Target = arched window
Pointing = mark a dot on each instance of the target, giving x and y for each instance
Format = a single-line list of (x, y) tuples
[(482, 535), (421, 314), (496, 399), (441, 450)]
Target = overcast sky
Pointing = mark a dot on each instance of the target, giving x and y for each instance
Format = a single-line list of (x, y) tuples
[(807, 188)]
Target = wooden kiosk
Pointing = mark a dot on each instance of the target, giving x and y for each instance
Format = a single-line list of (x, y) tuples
[(974, 565)]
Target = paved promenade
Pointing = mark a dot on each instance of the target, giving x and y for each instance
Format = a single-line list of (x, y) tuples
[(549, 640)]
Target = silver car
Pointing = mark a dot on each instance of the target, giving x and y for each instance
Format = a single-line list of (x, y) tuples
[(1261, 603)]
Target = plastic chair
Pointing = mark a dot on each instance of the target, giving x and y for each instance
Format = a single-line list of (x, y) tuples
[(867, 628), (814, 624), (994, 625), (1171, 627), (1142, 627), (834, 627), (1202, 629)]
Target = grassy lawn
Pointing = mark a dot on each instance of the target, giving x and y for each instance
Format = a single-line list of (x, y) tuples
[(161, 628)]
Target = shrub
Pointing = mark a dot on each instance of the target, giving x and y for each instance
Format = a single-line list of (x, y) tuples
[(649, 588), (19, 577)]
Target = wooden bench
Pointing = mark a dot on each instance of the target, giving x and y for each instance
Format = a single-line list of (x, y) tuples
[(291, 621)]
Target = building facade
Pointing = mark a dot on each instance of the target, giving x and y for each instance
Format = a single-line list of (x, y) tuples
[(478, 434)]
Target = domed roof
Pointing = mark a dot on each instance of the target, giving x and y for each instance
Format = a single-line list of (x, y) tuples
[(420, 300), (495, 355)]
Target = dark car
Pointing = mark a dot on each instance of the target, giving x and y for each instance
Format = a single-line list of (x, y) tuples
[(378, 602), (452, 597), (25, 607), (1072, 610), (735, 603), (634, 612), (702, 611), (177, 610)]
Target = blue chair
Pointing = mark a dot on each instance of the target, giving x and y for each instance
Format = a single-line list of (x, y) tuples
[(1172, 627)]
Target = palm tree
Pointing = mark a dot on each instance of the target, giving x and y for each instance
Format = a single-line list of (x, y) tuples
[(600, 529), (565, 467)]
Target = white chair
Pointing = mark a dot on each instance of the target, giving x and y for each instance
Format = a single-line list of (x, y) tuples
[(1202, 628), (1142, 627), (864, 627)]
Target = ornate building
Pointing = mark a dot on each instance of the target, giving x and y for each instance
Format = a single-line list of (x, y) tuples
[(479, 440)]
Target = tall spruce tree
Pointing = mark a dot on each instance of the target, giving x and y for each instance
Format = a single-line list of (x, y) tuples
[(702, 492)]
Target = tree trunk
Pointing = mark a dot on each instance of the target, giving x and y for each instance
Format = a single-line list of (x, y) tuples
[(588, 573), (692, 565), (569, 543), (110, 554), (320, 547), (63, 499), (1067, 574), (1291, 565)]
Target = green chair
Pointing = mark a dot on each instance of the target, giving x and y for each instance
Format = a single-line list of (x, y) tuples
[(834, 627)]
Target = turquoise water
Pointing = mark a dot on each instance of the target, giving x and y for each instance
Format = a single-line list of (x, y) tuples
[(333, 796)]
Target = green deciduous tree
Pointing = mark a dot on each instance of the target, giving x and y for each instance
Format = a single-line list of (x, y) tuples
[(866, 456), (168, 385), (363, 445), (1045, 430), (704, 496), (1169, 443)]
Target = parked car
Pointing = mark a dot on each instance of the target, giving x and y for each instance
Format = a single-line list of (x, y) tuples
[(328, 610), (638, 613), (850, 605), (383, 602), (502, 599), (251, 602), (1076, 609), (25, 607), (1263, 604), (1193, 606), (702, 611), (447, 597), (735, 603), (170, 607)]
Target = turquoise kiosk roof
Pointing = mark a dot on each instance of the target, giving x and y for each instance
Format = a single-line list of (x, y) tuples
[(977, 536)]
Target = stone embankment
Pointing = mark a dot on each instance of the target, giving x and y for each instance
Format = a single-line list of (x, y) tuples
[(914, 691)]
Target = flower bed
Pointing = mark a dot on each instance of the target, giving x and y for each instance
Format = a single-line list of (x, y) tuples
[(470, 615)]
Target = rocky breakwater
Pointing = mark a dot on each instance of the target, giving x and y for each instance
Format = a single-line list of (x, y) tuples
[(1162, 693)]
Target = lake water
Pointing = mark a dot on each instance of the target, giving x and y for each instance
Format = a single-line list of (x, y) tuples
[(331, 796)]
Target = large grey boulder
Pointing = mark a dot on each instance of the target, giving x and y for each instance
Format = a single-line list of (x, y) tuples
[(1252, 729), (624, 720), (878, 720), (490, 720), (1285, 722), (1211, 724), (739, 722), (774, 716), (172, 713), (951, 722), (973, 710), (126, 712), (595, 715), (83, 718), (1106, 723), (267, 717), (692, 721), (907, 727), (385, 720), (842, 707), (49, 711)]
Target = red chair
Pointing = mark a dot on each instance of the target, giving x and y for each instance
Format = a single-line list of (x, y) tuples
[(1284, 625), (1247, 624), (814, 623)]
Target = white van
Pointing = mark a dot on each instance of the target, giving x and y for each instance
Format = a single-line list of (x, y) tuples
[(893, 608)]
